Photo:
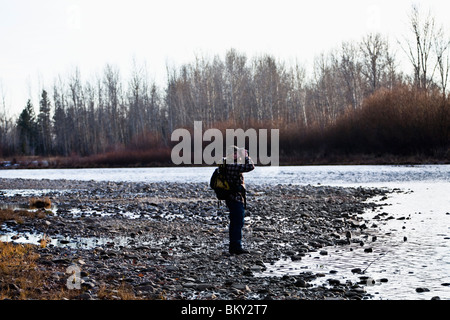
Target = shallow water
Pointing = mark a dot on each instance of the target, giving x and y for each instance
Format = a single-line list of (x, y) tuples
[(412, 249), (421, 216), (60, 241)]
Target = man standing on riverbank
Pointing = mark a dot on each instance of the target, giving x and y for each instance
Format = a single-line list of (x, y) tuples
[(237, 162)]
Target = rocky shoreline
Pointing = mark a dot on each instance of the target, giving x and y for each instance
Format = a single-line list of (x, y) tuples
[(169, 241)]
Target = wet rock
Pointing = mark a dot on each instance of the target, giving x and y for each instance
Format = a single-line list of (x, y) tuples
[(61, 261), (334, 282), (172, 268), (320, 275), (87, 285), (247, 272), (188, 284), (149, 288), (204, 286), (365, 280), (296, 257), (301, 283), (175, 249), (333, 271), (85, 296), (257, 268), (241, 287)]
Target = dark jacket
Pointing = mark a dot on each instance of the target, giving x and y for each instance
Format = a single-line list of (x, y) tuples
[(234, 175)]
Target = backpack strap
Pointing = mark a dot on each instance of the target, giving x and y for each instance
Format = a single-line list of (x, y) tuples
[(224, 167)]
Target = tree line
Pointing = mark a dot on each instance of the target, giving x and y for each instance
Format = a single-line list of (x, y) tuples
[(86, 118)]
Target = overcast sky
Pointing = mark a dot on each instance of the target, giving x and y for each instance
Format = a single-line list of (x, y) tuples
[(41, 39)]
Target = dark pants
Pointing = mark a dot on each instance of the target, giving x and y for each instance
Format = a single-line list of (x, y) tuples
[(237, 213)]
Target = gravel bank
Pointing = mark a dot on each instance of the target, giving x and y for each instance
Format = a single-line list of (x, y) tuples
[(170, 240)]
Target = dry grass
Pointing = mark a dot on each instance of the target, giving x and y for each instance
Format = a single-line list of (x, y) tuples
[(398, 124), (19, 276), (39, 203), (123, 292), (403, 120), (19, 215), (23, 278)]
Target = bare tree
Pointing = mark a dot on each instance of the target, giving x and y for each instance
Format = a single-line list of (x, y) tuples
[(324, 91), (442, 52), (93, 117), (6, 127), (376, 60), (296, 112), (419, 50), (114, 104), (236, 74), (137, 89), (350, 70)]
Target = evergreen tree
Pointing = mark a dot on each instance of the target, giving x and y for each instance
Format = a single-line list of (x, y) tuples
[(44, 126), (60, 129), (26, 125)]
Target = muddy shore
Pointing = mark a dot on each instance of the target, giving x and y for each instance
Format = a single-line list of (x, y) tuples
[(169, 241)]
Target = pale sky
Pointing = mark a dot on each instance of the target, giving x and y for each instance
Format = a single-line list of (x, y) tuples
[(41, 39)]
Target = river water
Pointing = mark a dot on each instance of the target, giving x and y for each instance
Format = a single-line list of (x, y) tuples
[(326, 175), (412, 249)]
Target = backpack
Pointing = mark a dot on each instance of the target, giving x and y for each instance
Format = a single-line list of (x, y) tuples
[(219, 183), (222, 187)]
